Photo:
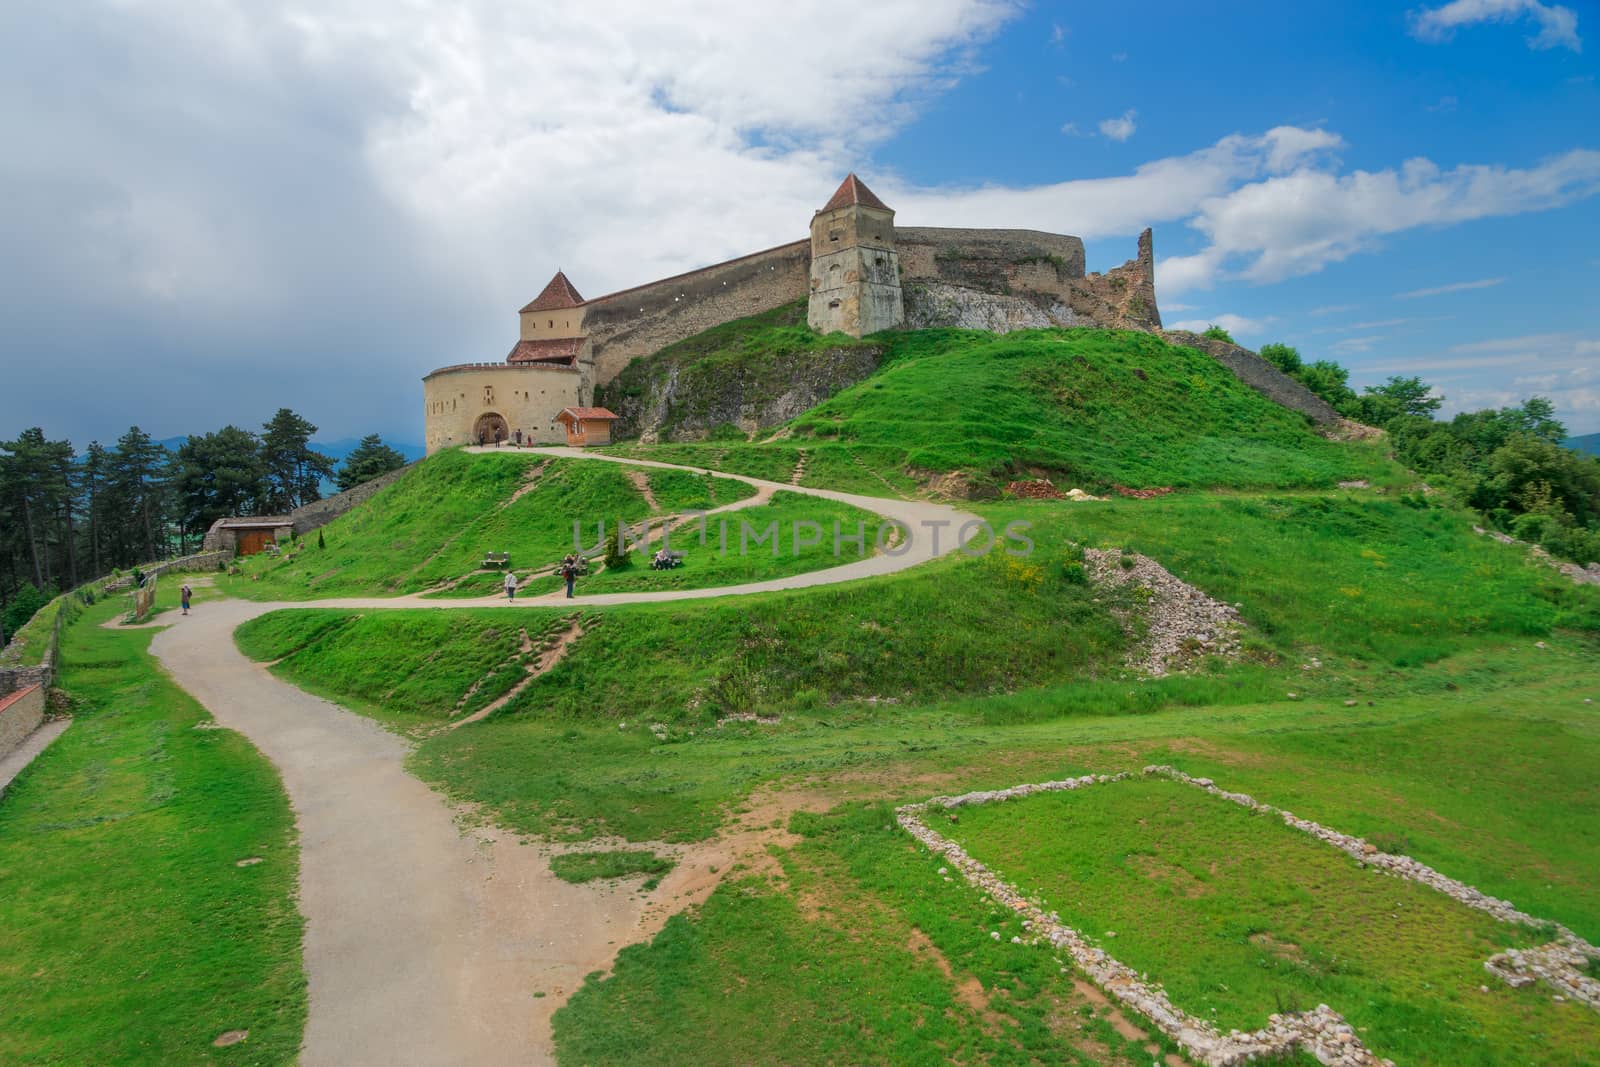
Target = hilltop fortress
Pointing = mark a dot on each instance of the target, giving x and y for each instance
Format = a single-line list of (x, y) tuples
[(859, 272)]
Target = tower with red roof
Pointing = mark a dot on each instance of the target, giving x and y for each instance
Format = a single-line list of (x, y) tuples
[(855, 273)]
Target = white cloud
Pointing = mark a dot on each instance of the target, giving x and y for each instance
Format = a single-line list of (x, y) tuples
[(1120, 128), (1298, 223), (1355, 344), (1237, 325), (1119, 57), (1455, 287), (1173, 307), (1445, 104), (1558, 26), (1332, 309), (1070, 129)]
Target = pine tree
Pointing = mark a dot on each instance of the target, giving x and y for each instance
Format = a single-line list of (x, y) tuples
[(370, 459)]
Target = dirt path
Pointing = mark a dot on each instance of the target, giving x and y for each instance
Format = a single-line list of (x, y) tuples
[(425, 942)]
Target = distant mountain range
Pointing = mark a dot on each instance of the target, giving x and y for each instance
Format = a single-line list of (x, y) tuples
[(337, 449), (1589, 442)]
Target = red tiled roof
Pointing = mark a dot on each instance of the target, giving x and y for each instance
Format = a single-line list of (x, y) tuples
[(579, 414), (854, 191), (558, 294), (550, 350)]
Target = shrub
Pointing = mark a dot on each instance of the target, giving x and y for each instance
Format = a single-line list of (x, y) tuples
[(617, 555), (1217, 333)]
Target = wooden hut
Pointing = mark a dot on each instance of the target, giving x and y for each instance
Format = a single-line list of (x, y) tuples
[(587, 426)]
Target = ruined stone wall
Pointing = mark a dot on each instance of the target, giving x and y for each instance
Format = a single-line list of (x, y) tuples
[(321, 512), (20, 713), (636, 322), (1044, 269), (1259, 375)]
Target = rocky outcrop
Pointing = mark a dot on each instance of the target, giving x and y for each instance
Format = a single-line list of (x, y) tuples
[(687, 399), (1259, 375), (935, 305)]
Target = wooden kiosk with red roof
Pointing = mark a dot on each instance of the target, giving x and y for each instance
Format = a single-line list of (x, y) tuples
[(587, 426)]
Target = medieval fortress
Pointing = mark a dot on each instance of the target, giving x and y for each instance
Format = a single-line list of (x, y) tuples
[(859, 273)]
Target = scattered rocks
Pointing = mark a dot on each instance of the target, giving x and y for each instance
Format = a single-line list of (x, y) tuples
[(229, 1037), (249, 862), (1589, 575), (1182, 622), (1143, 494), (1359, 483), (1034, 489)]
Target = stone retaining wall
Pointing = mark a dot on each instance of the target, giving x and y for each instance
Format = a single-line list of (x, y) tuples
[(1259, 375), (319, 513), (21, 712)]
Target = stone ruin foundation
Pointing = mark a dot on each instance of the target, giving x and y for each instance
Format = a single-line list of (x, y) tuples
[(1322, 1032)]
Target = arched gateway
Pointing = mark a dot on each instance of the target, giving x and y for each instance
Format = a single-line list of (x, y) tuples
[(489, 428)]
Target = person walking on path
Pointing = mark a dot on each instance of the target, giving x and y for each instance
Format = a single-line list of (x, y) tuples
[(183, 596), (511, 586), (569, 571)]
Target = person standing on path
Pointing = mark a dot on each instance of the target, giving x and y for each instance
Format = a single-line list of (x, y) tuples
[(511, 586), (183, 596), (569, 571)]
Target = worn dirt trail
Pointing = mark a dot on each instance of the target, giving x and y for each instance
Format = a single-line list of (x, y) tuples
[(427, 939)]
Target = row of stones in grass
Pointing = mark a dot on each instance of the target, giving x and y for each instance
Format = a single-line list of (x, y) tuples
[(1323, 1032), (1561, 964)]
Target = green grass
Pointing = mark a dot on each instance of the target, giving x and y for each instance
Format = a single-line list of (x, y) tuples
[(127, 932), (741, 547), (828, 940), (839, 967), (1240, 916), (1358, 577), (1085, 407), (610, 865), (406, 666)]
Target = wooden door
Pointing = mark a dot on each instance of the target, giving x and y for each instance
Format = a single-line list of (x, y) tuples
[(253, 541)]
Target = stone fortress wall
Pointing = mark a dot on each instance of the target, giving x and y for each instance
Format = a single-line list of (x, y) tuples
[(635, 322), (861, 274)]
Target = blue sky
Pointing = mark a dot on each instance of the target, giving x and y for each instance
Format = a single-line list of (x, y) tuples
[(209, 213)]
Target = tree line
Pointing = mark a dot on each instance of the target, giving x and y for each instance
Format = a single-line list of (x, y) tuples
[(1507, 463), (68, 518)]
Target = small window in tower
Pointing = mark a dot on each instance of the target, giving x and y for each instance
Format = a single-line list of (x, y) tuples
[(488, 394), (833, 303), (880, 261), (834, 235), (552, 324)]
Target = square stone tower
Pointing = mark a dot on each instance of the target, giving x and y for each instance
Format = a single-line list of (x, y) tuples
[(855, 273)]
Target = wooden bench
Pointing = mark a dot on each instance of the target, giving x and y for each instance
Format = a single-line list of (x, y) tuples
[(496, 559)]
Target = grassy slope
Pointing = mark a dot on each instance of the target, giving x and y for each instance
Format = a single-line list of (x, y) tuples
[(435, 525), (127, 933), (1087, 407)]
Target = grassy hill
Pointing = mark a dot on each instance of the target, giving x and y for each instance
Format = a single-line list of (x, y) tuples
[(1589, 442), (428, 532), (1089, 408)]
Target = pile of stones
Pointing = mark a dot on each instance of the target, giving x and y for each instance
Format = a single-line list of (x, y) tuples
[(1182, 622), (1034, 489)]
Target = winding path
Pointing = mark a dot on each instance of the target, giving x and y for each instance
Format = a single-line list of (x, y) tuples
[(428, 942)]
